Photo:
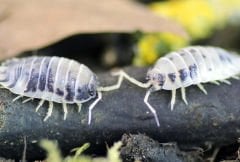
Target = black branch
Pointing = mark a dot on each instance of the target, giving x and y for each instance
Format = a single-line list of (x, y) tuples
[(211, 118)]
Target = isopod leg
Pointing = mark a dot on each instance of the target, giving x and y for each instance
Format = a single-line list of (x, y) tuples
[(151, 108), (225, 81), (16, 98), (132, 80), (79, 107), (29, 99), (236, 77), (183, 92), (173, 99), (39, 105), (65, 111), (113, 87), (49, 113), (215, 82), (201, 87), (92, 106)]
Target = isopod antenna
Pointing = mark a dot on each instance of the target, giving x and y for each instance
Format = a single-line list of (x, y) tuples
[(121, 75)]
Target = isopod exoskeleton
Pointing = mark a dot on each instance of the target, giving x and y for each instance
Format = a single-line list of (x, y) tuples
[(189, 66), (53, 79)]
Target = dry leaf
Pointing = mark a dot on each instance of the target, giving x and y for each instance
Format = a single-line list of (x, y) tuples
[(26, 25)]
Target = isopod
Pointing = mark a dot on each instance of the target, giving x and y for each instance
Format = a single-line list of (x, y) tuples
[(191, 65), (52, 79)]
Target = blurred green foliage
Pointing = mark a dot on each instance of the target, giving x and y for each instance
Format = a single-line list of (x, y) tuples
[(54, 155)]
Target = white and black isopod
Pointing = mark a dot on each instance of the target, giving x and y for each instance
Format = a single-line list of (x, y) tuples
[(53, 79), (189, 66)]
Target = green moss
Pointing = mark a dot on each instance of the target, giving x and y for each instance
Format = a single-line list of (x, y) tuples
[(53, 153)]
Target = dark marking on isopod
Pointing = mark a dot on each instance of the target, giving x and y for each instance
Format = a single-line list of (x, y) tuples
[(192, 50), (70, 87), (204, 56), (229, 60), (70, 93), (161, 79), (222, 58), (32, 84), (50, 81), (182, 54), (183, 74), (42, 82), (59, 92), (79, 94), (193, 71), (82, 93), (91, 90), (225, 58), (172, 77), (33, 80)]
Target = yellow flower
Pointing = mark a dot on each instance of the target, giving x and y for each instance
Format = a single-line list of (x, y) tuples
[(197, 16), (151, 46)]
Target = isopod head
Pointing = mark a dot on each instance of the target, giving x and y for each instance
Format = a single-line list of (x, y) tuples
[(156, 79), (88, 91), (93, 86)]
